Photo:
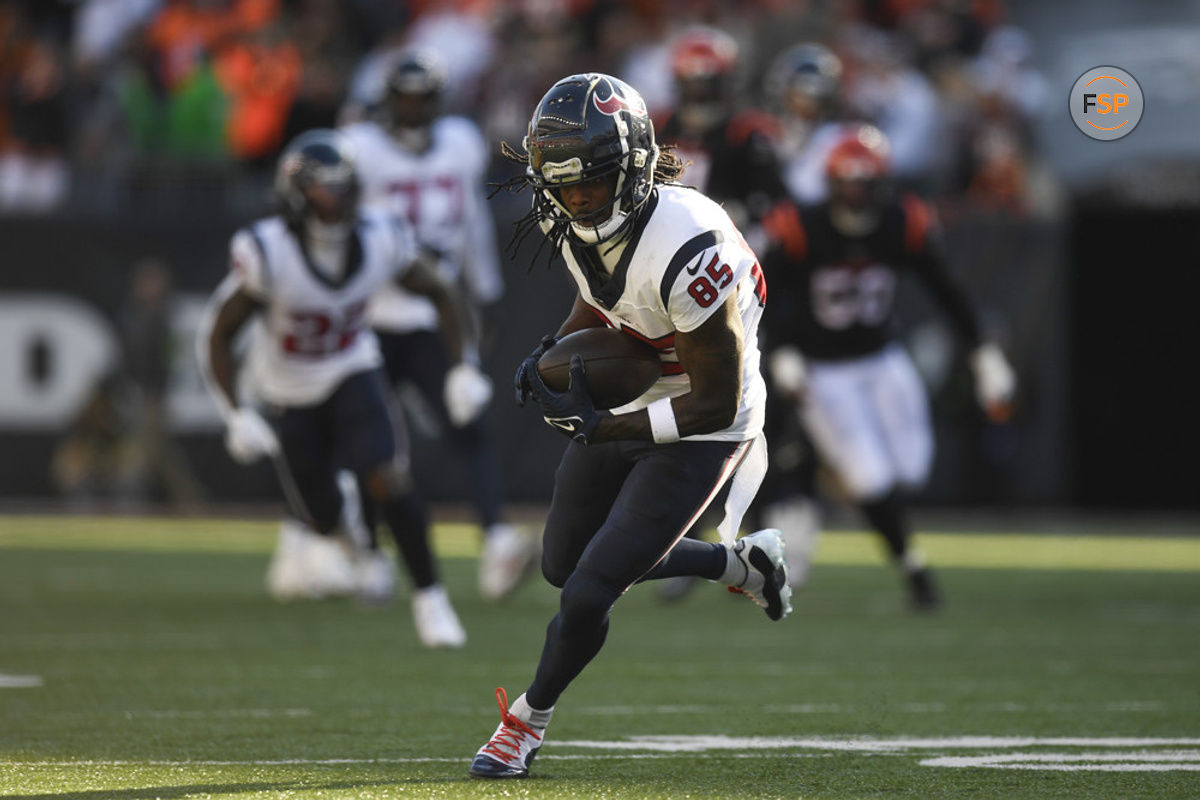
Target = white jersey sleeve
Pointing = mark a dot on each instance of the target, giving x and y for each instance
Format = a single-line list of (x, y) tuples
[(405, 248), (247, 264), (703, 274)]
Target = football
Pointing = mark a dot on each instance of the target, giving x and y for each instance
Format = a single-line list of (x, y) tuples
[(619, 368)]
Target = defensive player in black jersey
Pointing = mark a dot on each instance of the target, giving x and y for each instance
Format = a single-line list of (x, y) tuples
[(834, 277), (729, 149)]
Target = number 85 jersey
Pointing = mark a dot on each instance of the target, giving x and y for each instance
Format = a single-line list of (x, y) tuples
[(314, 331), (683, 259)]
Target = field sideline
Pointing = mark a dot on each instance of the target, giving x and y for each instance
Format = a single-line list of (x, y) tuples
[(140, 658)]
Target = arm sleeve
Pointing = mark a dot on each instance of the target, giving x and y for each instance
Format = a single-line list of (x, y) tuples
[(248, 264), (481, 260), (701, 275), (922, 241), (405, 249)]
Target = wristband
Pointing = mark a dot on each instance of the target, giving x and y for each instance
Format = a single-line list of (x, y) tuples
[(662, 421)]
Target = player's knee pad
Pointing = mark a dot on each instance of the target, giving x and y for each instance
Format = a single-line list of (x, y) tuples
[(585, 602)]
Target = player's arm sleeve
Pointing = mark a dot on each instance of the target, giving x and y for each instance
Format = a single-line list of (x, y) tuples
[(700, 276), (248, 264), (481, 261), (417, 272), (227, 312), (926, 254)]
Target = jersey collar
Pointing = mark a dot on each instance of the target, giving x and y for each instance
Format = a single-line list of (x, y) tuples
[(607, 289)]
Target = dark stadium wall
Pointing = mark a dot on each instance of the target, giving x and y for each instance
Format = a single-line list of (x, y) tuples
[(1083, 432), (1135, 398)]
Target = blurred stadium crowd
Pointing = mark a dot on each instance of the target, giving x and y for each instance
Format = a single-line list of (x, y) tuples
[(148, 110), (114, 104)]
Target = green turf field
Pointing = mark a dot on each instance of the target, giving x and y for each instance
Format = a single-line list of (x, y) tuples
[(140, 658)]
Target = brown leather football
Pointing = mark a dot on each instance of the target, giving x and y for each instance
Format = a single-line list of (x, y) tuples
[(618, 367)]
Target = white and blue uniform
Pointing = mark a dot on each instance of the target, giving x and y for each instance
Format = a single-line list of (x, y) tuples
[(315, 332), (440, 192), (682, 265), (314, 362)]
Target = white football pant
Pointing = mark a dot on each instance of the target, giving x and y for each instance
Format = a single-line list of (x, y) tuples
[(869, 420)]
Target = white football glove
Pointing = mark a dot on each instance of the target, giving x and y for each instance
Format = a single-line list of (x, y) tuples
[(788, 372), (995, 381), (249, 437), (467, 393)]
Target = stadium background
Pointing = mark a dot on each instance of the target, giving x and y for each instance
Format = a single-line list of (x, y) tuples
[(1084, 267)]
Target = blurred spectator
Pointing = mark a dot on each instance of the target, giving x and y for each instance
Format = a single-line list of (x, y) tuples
[(87, 460), (330, 39), (886, 89), (34, 174), (152, 464), (539, 41), (459, 32), (202, 93), (260, 73)]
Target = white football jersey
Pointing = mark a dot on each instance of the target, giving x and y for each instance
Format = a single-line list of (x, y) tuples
[(441, 193), (315, 332), (684, 259)]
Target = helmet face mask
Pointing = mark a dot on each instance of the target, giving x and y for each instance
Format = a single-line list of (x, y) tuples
[(586, 127), (316, 180)]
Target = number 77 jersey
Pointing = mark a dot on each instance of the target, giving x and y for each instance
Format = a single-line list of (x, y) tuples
[(683, 259)]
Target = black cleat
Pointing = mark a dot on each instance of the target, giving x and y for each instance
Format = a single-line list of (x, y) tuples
[(923, 593)]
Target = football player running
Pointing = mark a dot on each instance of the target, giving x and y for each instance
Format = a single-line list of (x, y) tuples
[(430, 168), (664, 263), (308, 273), (835, 274)]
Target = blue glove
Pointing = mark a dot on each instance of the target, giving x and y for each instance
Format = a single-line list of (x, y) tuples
[(528, 367), (571, 412)]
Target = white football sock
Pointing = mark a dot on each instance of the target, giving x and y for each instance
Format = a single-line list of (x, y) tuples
[(531, 716)]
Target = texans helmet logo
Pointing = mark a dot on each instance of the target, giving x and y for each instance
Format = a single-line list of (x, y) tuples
[(614, 103)]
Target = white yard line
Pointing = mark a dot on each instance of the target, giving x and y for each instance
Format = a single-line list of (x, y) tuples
[(1108, 754), (20, 681)]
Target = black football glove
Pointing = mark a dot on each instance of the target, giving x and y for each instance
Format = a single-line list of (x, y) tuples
[(572, 412), (529, 366)]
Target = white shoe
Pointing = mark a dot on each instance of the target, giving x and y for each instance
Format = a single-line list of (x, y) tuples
[(375, 577), (512, 747), (308, 566), (799, 522), (507, 558), (437, 624), (287, 573), (330, 567), (764, 577)]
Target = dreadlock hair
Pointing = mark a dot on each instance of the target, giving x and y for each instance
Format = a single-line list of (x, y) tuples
[(667, 169)]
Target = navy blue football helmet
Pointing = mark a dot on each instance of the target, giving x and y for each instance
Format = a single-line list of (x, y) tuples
[(590, 126), (316, 178)]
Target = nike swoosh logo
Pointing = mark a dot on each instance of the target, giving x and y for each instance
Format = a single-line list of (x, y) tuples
[(568, 424), (694, 269)]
